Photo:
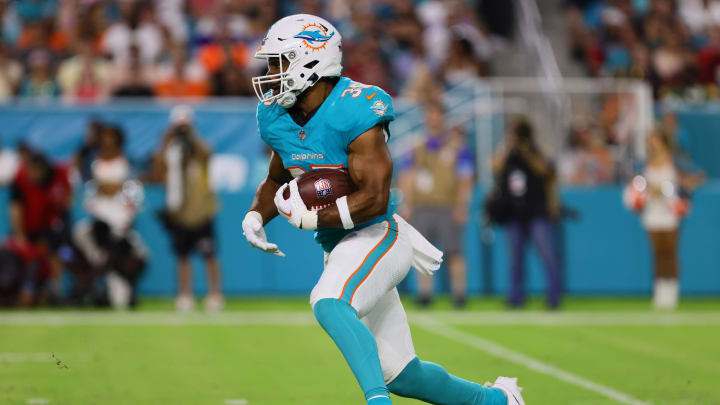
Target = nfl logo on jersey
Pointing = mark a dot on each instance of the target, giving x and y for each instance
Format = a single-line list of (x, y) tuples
[(323, 188)]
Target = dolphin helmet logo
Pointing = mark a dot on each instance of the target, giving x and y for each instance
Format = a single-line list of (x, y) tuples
[(314, 36)]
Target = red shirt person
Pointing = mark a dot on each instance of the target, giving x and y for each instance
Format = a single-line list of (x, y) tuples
[(40, 198)]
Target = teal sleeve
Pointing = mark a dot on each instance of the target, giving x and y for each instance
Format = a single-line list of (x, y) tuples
[(367, 113)]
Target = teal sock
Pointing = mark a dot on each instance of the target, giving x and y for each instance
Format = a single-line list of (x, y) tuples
[(431, 383), (357, 345)]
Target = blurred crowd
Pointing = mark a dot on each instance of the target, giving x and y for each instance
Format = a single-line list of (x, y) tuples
[(92, 50), (672, 44)]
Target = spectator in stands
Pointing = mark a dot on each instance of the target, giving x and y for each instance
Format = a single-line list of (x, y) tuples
[(709, 56), (526, 180), (170, 14), (699, 15), (587, 161), (365, 63), (222, 50), (40, 200), (463, 62), (85, 21), (436, 181), (39, 84), (11, 72), (410, 65), (43, 34), (132, 78), (669, 61), (182, 79), (136, 27), (107, 245), (84, 77), (640, 68), (183, 162), (225, 60)]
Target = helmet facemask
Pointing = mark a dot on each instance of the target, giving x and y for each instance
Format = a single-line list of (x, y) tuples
[(278, 87)]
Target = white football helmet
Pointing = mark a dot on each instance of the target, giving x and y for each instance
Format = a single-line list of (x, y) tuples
[(313, 48)]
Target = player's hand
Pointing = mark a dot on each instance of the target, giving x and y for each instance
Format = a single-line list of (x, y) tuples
[(255, 234), (293, 208)]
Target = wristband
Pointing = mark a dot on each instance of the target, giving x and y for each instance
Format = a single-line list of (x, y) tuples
[(255, 215), (344, 212), (309, 220)]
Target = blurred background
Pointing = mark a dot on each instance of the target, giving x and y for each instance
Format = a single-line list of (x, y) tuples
[(554, 148)]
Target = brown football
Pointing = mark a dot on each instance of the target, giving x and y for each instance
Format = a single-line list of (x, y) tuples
[(321, 187)]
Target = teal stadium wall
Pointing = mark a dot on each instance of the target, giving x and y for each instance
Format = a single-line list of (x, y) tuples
[(605, 251)]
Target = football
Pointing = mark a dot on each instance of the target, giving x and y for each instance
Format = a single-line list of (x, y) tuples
[(321, 187)]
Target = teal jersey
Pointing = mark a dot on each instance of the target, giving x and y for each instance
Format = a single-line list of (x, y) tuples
[(351, 109)]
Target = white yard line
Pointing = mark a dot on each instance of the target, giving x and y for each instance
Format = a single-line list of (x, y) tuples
[(572, 318), (236, 401), (158, 318), (432, 325), (305, 318), (25, 357)]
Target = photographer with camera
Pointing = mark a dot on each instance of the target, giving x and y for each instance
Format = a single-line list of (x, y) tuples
[(183, 164), (526, 202)]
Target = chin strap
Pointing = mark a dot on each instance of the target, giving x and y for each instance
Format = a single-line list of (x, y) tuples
[(287, 100)]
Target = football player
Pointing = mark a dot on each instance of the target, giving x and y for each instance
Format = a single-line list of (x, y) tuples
[(313, 118)]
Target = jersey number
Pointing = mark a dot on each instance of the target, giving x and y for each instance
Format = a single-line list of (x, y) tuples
[(355, 89)]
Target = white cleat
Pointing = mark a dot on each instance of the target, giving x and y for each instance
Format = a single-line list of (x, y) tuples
[(185, 303), (510, 388), (214, 303)]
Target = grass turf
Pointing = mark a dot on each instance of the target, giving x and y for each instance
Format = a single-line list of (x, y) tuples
[(296, 363)]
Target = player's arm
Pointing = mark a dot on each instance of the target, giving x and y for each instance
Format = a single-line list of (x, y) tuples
[(265, 194), (371, 168), (263, 208)]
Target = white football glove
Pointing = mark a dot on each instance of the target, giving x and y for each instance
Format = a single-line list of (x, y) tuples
[(255, 234), (294, 209)]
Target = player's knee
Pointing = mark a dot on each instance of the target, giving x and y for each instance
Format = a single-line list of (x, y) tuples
[(327, 310)]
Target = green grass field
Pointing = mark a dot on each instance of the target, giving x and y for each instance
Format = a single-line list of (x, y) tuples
[(270, 351)]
